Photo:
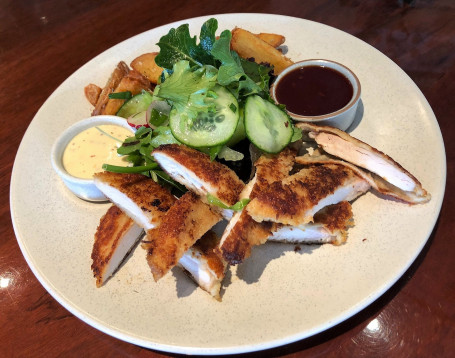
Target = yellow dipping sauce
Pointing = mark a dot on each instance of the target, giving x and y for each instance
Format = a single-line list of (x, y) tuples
[(89, 150)]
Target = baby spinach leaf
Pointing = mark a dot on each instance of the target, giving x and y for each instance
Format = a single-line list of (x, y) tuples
[(206, 40), (178, 45)]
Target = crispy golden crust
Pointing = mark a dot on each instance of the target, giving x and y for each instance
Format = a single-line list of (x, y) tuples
[(308, 127), (418, 195), (274, 40), (185, 222), (335, 217), (288, 201), (377, 183), (247, 45), (119, 72), (226, 183), (146, 65), (113, 226), (133, 82), (207, 245), (246, 233), (272, 168), (92, 93), (152, 198)]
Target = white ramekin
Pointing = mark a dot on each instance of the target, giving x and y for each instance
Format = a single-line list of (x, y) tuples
[(82, 188), (341, 118)]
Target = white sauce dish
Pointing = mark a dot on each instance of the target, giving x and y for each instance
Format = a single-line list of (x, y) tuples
[(79, 181)]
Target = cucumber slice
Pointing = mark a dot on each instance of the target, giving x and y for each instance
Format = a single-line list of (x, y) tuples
[(239, 133), (266, 125), (208, 129), (135, 104)]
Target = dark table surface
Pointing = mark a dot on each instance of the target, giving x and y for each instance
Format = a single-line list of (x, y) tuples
[(40, 46)]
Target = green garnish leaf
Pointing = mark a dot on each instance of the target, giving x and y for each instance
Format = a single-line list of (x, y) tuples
[(186, 89), (135, 159), (231, 73), (157, 118), (128, 148), (163, 135), (120, 95), (178, 45), (206, 40), (166, 178), (142, 132), (213, 200), (297, 134), (240, 204), (230, 69), (233, 107), (146, 151), (154, 176), (138, 169), (260, 74), (213, 151)]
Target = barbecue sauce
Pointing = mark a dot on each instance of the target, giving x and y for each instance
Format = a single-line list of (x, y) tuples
[(314, 91)]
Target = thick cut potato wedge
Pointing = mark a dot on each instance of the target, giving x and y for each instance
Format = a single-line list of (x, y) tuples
[(146, 65), (119, 72), (133, 82), (248, 45), (273, 40)]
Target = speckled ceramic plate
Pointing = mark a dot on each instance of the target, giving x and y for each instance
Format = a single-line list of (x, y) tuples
[(278, 295)]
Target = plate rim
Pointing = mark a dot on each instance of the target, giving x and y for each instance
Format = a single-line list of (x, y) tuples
[(118, 333)]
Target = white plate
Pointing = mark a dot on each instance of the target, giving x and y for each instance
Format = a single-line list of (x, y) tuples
[(276, 297)]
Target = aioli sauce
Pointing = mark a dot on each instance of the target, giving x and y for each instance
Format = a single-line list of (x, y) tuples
[(314, 91), (89, 150)]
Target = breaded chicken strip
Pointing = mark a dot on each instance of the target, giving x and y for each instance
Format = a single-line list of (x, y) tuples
[(185, 222), (199, 174), (330, 226), (204, 265), (296, 199), (115, 236), (242, 232), (144, 200), (353, 150)]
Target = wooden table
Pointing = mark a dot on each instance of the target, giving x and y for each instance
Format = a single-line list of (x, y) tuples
[(43, 42)]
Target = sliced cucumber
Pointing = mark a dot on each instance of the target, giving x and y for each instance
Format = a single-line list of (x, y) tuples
[(135, 104), (208, 129), (239, 133), (266, 125)]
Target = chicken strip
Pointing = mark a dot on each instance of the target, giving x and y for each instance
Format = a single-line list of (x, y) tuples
[(199, 174), (144, 200), (330, 226), (377, 183), (296, 199), (242, 232), (204, 265), (346, 147), (185, 222), (115, 237)]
